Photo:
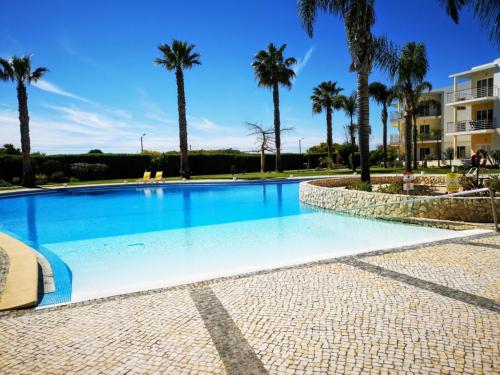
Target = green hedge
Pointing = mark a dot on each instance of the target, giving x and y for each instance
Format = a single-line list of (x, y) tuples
[(133, 165)]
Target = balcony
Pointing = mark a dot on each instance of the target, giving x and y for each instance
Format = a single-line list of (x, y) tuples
[(474, 93), (425, 112), (393, 139), (395, 116), (470, 126)]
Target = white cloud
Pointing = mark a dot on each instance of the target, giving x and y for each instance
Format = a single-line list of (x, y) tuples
[(202, 124), (50, 87), (301, 63), (72, 130)]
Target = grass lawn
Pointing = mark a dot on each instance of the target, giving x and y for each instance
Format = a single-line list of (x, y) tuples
[(265, 176)]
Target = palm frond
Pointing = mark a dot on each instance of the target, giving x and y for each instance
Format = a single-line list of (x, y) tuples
[(37, 74), (272, 68), (178, 55), (6, 71), (453, 8), (386, 55)]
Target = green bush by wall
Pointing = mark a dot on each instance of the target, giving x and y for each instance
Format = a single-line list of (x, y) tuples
[(134, 165)]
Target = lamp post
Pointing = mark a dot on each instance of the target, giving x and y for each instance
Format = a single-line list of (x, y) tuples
[(142, 147), (300, 145)]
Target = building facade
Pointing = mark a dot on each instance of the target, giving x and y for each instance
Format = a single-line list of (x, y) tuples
[(467, 120)]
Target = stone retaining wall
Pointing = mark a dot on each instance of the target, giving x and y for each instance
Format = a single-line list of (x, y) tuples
[(331, 194)]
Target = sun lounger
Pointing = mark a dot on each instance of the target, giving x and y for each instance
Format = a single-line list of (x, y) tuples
[(158, 176), (146, 177)]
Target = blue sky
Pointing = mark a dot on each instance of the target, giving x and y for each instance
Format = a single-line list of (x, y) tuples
[(103, 90)]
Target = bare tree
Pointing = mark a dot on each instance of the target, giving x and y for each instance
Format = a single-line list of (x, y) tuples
[(265, 140)]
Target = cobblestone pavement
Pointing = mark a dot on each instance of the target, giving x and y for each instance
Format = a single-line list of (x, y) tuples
[(4, 266), (431, 309)]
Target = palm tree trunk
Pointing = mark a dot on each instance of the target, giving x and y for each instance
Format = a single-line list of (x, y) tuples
[(384, 134), (24, 122), (353, 146), (277, 126), (364, 125), (415, 134), (408, 142), (262, 159), (438, 145), (183, 137), (329, 137)]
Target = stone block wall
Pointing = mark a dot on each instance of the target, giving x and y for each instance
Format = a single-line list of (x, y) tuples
[(331, 194)]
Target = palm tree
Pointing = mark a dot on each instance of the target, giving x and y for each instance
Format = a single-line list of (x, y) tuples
[(18, 69), (436, 134), (487, 11), (326, 97), (421, 103), (350, 107), (358, 17), (408, 68), (272, 69), (384, 96), (178, 57)]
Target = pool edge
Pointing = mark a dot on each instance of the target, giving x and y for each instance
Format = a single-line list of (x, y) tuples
[(461, 237)]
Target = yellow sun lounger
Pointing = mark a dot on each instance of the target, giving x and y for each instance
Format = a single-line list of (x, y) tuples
[(146, 177), (159, 176)]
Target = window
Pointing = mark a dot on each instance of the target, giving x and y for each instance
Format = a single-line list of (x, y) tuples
[(484, 118), (425, 130), (484, 87), (460, 108), (461, 152), (424, 152)]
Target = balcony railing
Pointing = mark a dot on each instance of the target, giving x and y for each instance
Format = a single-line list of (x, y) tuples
[(394, 139), (428, 112), (470, 125), (395, 116), (425, 137), (472, 93)]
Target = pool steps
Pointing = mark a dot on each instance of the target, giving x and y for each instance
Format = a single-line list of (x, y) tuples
[(21, 283)]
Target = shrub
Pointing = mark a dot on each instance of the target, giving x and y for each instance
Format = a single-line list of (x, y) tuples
[(85, 171), (362, 186), (51, 166), (394, 188), (4, 183), (95, 151), (16, 180), (73, 179), (58, 177), (494, 183), (40, 179)]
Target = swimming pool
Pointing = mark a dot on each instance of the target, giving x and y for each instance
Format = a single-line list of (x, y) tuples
[(112, 240)]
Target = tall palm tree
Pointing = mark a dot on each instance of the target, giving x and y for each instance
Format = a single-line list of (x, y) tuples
[(178, 57), (272, 69), (358, 17), (18, 69), (384, 96), (420, 102), (326, 97), (436, 134), (350, 107), (408, 68)]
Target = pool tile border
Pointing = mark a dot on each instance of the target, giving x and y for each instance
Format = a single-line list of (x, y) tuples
[(204, 283)]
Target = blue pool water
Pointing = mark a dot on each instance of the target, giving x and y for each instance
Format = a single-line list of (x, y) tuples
[(104, 241)]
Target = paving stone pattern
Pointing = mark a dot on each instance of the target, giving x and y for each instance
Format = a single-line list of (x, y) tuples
[(420, 310)]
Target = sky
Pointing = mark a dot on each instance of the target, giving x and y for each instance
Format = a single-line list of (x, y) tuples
[(103, 89)]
